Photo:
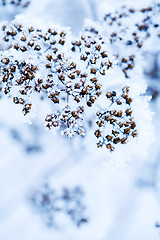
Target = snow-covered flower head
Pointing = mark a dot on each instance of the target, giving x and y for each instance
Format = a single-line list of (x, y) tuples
[(116, 123), (131, 32), (73, 78), (43, 61)]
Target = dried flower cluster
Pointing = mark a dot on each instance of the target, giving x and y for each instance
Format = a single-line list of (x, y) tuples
[(125, 27), (91, 48), (50, 203), (32, 39), (126, 63), (116, 124), (31, 63), (46, 62), (47, 65), (70, 120), (129, 30)]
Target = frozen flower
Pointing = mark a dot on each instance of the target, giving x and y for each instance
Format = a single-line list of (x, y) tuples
[(131, 32), (116, 123), (46, 65), (70, 121)]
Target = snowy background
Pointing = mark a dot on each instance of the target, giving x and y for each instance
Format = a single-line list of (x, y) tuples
[(121, 203)]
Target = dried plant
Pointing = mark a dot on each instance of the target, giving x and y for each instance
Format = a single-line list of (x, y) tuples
[(116, 124), (132, 31), (66, 81), (47, 65)]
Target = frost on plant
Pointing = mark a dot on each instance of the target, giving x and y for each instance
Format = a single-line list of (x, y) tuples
[(38, 61), (68, 119), (116, 124), (47, 65), (90, 89), (132, 31)]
